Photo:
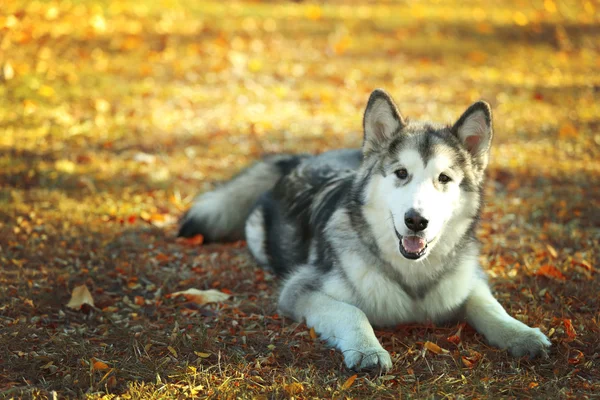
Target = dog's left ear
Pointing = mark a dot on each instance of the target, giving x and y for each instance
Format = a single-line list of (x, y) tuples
[(474, 130)]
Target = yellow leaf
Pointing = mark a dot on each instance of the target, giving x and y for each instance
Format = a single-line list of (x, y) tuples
[(293, 388), (202, 355), (202, 296), (46, 91), (80, 296), (349, 382), (314, 12), (552, 251), (8, 71), (255, 65), (434, 348), (312, 333), (520, 18), (172, 351)]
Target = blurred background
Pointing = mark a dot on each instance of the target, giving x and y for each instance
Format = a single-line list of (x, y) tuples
[(209, 85), (124, 110)]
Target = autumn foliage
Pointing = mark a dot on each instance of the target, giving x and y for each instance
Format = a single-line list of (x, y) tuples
[(114, 114)]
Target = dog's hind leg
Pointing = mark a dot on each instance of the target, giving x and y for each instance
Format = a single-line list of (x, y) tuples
[(256, 235), (342, 325)]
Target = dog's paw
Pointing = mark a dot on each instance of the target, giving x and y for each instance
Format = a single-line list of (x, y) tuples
[(368, 358), (530, 341)]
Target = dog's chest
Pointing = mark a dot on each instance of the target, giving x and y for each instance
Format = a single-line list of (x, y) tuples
[(383, 300)]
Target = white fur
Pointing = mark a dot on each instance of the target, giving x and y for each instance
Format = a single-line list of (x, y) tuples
[(490, 319), (256, 236), (358, 294), (340, 324)]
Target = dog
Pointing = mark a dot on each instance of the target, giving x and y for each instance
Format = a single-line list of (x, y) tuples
[(376, 236)]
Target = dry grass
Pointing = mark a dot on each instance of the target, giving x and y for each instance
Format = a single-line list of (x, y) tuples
[(113, 114)]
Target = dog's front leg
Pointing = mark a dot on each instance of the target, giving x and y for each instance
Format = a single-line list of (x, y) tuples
[(342, 325), (489, 318)]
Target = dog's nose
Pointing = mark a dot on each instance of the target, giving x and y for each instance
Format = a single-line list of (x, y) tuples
[(415, 221)]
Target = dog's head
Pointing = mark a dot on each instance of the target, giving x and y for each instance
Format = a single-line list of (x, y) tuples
[(425, 178)]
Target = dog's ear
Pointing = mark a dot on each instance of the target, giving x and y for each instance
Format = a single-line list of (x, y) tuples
[(381, 121), (474, 130)]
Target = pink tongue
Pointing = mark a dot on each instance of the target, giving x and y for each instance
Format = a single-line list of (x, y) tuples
[(413, 244)]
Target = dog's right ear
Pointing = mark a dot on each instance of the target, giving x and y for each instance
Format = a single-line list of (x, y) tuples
[(381, 122)]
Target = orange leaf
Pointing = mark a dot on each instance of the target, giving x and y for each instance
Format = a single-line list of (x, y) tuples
[(569, 330), (550, 271), (567, 131), (193, 241), (453, 339), (80, 296), (472, 359), (99, 366), (577, 359), (456, 337), (312, 333), (349, 382), (466, 362), (434, 348)]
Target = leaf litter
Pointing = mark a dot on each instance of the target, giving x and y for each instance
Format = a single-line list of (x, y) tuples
[(111, 125)]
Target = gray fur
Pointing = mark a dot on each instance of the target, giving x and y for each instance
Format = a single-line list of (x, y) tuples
[(333, 227)]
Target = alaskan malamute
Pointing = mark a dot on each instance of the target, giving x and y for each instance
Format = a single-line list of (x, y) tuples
[(377, 236)]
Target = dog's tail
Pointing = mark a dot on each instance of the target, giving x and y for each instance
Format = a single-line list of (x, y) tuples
[(220, 215)]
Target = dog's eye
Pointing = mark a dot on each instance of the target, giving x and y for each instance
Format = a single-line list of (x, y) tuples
[(401, 173), (443, 178)]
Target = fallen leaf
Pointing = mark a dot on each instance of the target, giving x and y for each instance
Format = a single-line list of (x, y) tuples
[(567, 131), (193, 241), (99, 366), (434, 348), (293, 388), (80, 296), (552, 251), (349, 382), (202, 355), (550, 271), (172, 351), (453, 339), (111, 382), (569, 330), (472, 359), (583, 264), (577, 358), (456, 337), (202, 296), (312, 333)]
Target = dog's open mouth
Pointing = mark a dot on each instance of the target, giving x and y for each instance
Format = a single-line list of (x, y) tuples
[(413, 247)]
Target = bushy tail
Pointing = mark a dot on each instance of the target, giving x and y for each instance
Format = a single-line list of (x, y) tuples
[(220, 215)]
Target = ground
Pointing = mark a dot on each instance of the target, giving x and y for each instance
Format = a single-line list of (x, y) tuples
[(115, 114)]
